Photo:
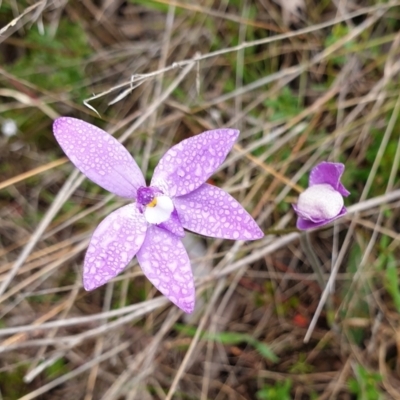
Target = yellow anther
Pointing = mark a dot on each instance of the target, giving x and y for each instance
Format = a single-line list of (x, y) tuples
[(153, 203)]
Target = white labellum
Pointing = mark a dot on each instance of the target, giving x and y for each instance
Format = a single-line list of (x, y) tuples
[(160, 212), (320, 202)]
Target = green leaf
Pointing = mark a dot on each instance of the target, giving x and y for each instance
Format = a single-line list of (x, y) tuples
[(392, 281), (279, 391), (230, 339)]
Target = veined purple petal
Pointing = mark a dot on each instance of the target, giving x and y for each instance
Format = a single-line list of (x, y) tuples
[(328, 172), (166, 264), (113, 245), (99, 156), (173, 225), (305, 224), (187, 165), (212, 212)]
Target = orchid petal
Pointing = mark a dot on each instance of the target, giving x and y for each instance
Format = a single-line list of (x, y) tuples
[(113, 245), (305, 224), (173, 224), (99, 156), (212, 212), (166, 264), (330, 173), (187, 165)]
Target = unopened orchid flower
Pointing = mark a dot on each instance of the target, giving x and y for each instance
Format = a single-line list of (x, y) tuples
[(152, 227), (322, 202)]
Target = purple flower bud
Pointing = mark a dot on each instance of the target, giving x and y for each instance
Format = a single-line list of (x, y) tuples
[(322, 202)]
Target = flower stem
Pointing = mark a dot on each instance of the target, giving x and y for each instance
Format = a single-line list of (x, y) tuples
[(305, 241)]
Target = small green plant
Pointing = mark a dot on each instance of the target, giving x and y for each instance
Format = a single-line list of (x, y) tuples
[(279, 391), (365, 385), (57, 369), (301, 366), (286, 105), (55, 63), (11, 387), (387, 262), (338, 32), (231, 338), (392, 281)]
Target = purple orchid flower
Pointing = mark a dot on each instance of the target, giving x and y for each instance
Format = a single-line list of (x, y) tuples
[(322, 202), (151, 228)]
